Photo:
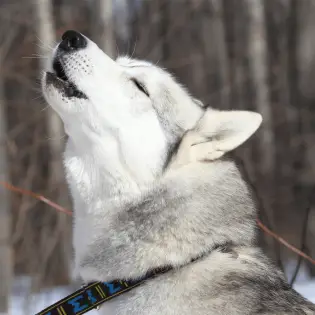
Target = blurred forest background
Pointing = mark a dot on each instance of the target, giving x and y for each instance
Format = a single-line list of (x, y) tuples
[(241, 54)]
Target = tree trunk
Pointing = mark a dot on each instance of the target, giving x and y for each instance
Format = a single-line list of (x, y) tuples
[(258, 61), (6, 250), (6, 262), (217, 54), (46, 35), (258, 58), (103, 29), (306, 71)]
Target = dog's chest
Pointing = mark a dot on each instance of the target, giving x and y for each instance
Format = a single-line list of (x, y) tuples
[(82, 234), (113, 306), (109, 308)]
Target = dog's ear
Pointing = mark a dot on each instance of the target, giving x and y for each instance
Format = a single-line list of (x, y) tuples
[(216, 133)]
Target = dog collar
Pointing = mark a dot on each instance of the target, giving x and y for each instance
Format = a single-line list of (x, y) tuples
[(94, 294)]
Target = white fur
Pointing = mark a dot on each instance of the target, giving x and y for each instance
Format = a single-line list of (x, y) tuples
[(116, 142), (115, 158)]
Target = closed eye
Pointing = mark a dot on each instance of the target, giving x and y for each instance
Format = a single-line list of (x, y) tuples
[(140, 86)]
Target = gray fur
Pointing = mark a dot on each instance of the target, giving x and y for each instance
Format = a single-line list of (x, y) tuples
[(152, 188), (177, 221)]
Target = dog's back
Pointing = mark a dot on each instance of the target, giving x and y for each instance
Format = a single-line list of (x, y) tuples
[(229, 274)]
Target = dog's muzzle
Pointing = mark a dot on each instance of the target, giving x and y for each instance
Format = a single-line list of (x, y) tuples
[(72, 41)]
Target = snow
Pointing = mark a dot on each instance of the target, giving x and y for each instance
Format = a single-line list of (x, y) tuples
[(307, 289), (22, 304), (304, 284)]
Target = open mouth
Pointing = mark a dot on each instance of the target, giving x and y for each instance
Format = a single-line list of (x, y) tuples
[(60, 80)]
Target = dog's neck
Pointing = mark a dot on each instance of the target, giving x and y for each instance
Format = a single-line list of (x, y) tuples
[(97, 174)]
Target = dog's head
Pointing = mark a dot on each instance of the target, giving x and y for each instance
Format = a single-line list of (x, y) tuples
[(131, 110)]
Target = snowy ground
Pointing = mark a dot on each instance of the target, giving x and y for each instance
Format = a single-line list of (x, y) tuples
[(23, 304), (30, 305), (304, 284)]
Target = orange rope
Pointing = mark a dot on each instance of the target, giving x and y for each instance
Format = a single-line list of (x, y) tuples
[(284, 242), (37, 196)]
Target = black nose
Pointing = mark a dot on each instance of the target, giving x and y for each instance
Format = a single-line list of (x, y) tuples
[(72, 40)]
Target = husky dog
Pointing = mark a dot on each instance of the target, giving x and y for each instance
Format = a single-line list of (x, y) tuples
[(152, 187)]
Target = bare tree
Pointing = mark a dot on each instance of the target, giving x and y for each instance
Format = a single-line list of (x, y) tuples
[(103, 26), (258, 57), (240, 54), (46, 36), (306, 71), (122, 22), (5, 218), (6, 259)]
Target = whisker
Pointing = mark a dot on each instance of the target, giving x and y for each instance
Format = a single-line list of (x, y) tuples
[(34, 57), (134, 49), (117, 49), (56, 138), (44, 45), (36, 98), (45, 108)]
